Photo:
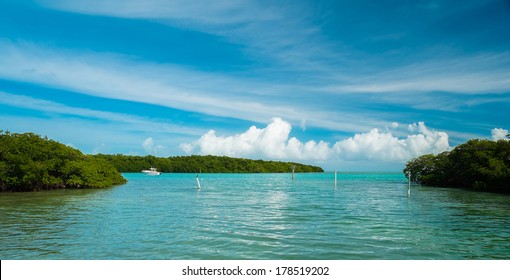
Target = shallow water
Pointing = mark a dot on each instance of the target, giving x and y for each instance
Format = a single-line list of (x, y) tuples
[(256, 216)]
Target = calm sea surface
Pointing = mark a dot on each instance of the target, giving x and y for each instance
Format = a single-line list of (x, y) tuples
[(256, 216)]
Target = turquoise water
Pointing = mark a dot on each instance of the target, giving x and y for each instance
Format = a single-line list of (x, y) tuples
[(256, 216)]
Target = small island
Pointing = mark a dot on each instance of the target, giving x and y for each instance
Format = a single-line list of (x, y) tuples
[(203, 164), (29, 162), (482, 165)]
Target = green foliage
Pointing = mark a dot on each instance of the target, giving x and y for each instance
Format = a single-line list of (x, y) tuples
[(205, 164), (477, 164), (29, 162)]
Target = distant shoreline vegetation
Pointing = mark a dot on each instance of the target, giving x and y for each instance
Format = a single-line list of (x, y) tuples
[(203, 164), (481, 165), (29, 162)]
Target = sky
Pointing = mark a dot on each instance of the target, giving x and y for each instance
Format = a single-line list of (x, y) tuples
[(346, 85)]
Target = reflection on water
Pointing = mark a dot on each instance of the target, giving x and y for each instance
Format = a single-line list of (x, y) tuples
[(256, 216)]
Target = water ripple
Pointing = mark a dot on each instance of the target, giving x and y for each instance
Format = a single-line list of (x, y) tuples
[(256, 216)]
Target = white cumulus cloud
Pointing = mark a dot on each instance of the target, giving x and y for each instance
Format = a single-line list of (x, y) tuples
[(384, 146), (270, 142), (499, 133), (274, 142)]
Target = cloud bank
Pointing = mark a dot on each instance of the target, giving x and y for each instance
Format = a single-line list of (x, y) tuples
[(273, 142), (384, 146)]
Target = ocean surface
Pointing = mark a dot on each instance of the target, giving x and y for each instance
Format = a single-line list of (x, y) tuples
[(256, 216)]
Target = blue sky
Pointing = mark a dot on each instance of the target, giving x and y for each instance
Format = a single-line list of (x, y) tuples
[(348, 85)]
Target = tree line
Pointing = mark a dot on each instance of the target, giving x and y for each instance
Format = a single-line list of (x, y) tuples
[(477, 164), (205, 164), (29, 162)]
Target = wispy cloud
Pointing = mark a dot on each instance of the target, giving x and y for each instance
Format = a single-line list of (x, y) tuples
[(285, 36), (199, 12), (118, 77), (134, 122), (124, 78), (477, 74), (279, 32)]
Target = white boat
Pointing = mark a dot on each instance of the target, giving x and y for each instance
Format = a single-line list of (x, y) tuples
[(151, 171)]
